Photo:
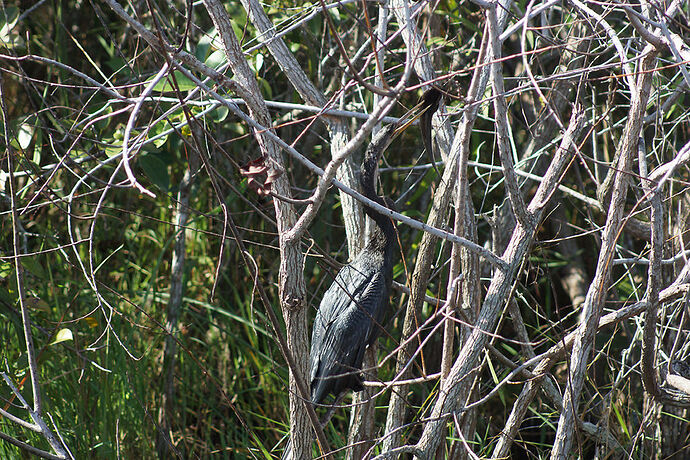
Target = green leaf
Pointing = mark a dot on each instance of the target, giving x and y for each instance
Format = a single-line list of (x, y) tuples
[(157, 129), (25, 134), (113, 149), (165, 86), (9, 36), (104, 120), (220, 114), (203, 46), (258, 62), (108, 46), (265, 88), (155, 170), (621, 421), (38, 147), (35, 267), (63, 335), (215, 59), (6, 269)]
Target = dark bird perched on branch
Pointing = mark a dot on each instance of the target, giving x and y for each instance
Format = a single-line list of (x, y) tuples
[(352, 309)]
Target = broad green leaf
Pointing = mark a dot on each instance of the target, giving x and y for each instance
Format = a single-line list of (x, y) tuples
[(258, 62), (113, 150), (219, 114), (24, 135), (265, 88), (9, 35), (215, 59), (155, 169), (63, 335), (157, 129), (165, 86)]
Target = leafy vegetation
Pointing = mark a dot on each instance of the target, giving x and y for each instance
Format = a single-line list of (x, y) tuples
[(120, 167)]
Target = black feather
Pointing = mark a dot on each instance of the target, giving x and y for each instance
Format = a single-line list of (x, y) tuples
[(431, 101), (352, 309)]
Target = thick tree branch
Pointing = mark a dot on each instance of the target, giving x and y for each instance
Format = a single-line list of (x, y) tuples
[(291, 277), (592, 307), (499, 288)]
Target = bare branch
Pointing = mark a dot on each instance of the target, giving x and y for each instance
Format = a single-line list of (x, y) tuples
[(501, 112), (592, 307), (498, 290), (292, 287)]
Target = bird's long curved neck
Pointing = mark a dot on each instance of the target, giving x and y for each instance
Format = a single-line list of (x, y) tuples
[(385, 232)]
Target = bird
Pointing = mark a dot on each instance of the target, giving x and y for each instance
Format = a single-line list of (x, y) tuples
[(351, 311), (349, 316)]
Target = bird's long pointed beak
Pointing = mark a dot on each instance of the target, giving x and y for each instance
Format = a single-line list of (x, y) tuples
[(404, 124)]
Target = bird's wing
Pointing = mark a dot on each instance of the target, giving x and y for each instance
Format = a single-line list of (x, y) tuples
[(345, 288), (361, 322), (341, 344)]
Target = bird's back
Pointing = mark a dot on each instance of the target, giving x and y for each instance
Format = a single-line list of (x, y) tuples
[(348, 320)]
